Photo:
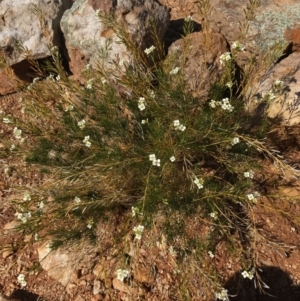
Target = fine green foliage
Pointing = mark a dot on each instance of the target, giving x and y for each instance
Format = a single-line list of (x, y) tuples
[(132, 140)]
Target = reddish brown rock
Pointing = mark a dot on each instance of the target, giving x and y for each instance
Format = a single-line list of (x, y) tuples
[(202, 63), (293, 36)]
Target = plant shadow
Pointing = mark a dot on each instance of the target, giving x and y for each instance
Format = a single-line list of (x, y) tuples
[(279, 283)]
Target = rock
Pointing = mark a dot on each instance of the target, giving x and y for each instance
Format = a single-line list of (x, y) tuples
[(6, 86), (57, 263), (86, 35), (285, 108), (96, 287), (202, 67), (293, 36), (272, 18), (18, 24), (122, 287)]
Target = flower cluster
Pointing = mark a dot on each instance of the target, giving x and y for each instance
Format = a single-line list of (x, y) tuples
[(86, 141), (23, 216), (149, 50), (77, 200), (21, 280), (135, 211), (223, 295), (235, 141), (253, 196), (249, 274), (188, 19), (155, 162), (81, 124), (122, 274), (249, 174), (214, 215), (199, 183), (175, 70), (27, 197), (17, 133), (225, 57), (238, 46), (224, 104), (89, 84), (178, 126), (141, 103), (211, 254), (6, 120), (138, 231)]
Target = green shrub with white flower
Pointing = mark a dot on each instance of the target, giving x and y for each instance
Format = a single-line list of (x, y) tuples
[(139, 144)]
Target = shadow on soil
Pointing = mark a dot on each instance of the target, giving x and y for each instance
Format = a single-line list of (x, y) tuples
[(23, 295), (280, 285)]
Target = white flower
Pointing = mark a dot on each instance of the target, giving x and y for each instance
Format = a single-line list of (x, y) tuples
[(89, 226), (172, 251), (175, 70), (54, 49), (156, 162), (223, 295), (182, 128), (248, 275), (27, 197), (89, 84), (86, 141), (138, 231), (23, 216), (6, 120), (149, 50), (69, 108), (17, 133), (189, 19), (179, 126), (122, 274), (235, 140), (77, 200), (176, 123), (225, 105), (98, 12), (249, 174), (134, 211), (87, 67), (245, 274), (152, 157), (36, 236), (214, 215), (213, 103), (58, 78), (278, 83), (211, 255), (152, 94), (141, 103), (144, 121), (51, 77), (229, 85), (12, 147), (41, 205), (81, 124), (199, 183), (21, 280), (225, 57), (271, 95), (238, 46), (172, 159)]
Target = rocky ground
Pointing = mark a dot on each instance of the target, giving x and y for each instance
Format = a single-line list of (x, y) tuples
[(278, 240)]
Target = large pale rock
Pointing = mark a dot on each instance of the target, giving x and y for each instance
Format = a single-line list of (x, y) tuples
[(18, 24), (285, 107), (57, 264), (202, 68), (86, 36)]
